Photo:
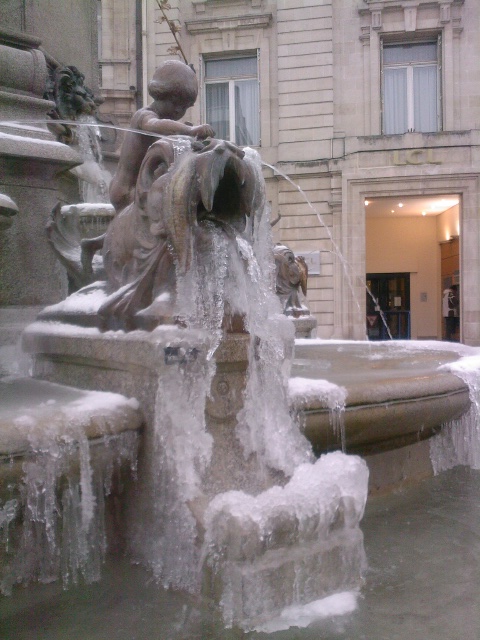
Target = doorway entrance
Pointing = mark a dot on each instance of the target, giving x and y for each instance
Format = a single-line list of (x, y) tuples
[(403, 235), (391, 292)]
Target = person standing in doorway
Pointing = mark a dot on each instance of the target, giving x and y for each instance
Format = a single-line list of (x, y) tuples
[(450, 311)]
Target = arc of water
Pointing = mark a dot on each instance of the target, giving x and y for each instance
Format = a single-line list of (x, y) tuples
[(78, 123), (338, 253)]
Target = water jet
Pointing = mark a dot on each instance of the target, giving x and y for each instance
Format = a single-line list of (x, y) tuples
[(186, 323)]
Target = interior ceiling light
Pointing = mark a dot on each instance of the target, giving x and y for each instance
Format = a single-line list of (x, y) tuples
[(444, 203), (400, 204), (367, 202)]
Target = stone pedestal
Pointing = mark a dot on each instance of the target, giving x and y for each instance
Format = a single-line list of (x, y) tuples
[(31, 168), (305, 326), (265, 542), (134, 365)]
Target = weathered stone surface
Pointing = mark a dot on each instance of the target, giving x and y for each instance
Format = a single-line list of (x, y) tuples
[(30, 164), (394, 396)]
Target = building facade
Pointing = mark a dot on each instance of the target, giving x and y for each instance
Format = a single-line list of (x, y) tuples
[(367, 117)]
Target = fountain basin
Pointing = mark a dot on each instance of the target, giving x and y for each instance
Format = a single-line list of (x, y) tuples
[(30, 408), (38, 416), (67, 458), (396, 393)]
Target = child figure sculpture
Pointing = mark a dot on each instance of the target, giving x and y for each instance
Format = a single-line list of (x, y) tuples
[(174, 89)]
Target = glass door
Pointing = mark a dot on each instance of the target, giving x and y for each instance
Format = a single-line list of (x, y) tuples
[(388, 308)]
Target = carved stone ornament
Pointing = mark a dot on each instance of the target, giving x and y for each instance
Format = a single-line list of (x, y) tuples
[(72, 98), (184, 189), (292, 275)]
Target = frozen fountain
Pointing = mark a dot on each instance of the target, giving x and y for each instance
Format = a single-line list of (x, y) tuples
[(181, 332), (230, 501)]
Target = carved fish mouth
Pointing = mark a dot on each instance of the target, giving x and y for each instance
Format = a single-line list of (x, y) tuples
[(223, 196), (213, 183)]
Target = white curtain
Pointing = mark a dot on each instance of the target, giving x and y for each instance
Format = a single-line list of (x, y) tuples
[(247, 130), (425, 98), (232, 99), (217, 109), (395, 118)]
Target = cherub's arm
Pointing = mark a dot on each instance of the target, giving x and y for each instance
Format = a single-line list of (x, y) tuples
[(166, 127)]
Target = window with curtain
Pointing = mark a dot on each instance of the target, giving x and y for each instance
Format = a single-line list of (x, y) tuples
[(232, 99), (411, 88)]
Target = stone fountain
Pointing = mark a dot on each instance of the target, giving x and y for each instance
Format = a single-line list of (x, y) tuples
[(179, 312), (187, 322)]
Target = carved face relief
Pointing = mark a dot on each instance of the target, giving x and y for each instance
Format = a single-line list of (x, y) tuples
[(288, 273)]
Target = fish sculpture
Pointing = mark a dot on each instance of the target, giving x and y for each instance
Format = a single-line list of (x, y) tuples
[(183, 187)]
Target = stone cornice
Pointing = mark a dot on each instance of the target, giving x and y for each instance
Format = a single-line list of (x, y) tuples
[(19, 40), (206, 25), (380, 5)]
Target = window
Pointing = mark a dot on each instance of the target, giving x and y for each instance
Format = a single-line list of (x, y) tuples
[(411, 87), (231, 98)]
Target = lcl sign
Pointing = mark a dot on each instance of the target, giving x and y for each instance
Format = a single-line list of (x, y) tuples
[(414, 156)]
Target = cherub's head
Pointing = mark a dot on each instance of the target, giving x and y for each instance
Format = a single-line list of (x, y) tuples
[(174, 84)]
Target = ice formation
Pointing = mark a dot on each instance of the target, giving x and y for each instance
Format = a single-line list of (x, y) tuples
[(53, 525), (306, 532), (300, 616), (458, 443), (309, 526)]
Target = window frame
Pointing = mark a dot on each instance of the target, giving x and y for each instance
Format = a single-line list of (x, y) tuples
[(231, 80), (410, 97)]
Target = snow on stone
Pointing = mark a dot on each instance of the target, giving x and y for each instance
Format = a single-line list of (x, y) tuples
[(338, 604), (86, 207), (87, 300), (302, 391)]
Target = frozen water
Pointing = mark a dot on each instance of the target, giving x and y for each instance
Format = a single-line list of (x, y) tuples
[(265, 425), (53, 520), (317, 510), (423, 550), (302, 391), (182, 450), (295, 530), (459, 441), (300, 616)]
